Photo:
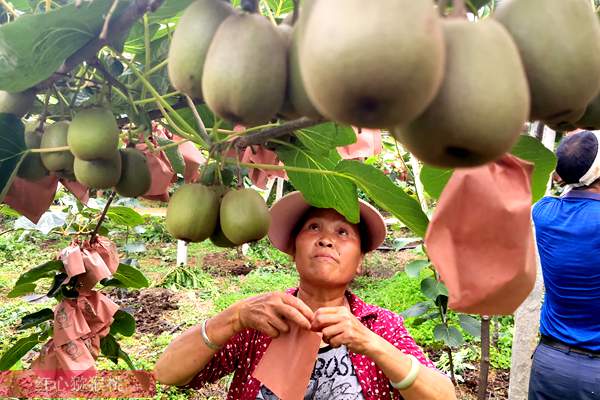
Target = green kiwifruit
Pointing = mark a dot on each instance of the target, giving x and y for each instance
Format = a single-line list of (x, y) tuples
[(482, 105), (100, 173), (192, 213), (32, 168), (219, 239), (559, 43), (244, 216), (591, 117), (94, 134), (55, 135), (245, 70), (287, 108), (191, 40), (135, 177), (372, 64), (18, 104), (296, 92)]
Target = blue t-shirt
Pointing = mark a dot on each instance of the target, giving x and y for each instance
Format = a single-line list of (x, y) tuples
[(568, 239)]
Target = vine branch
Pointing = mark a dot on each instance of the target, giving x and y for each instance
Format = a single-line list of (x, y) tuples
[(95, 62), (116, 27), (94, 235)]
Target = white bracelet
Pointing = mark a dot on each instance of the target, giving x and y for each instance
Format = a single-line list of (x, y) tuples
[(205, 338), (410, 378)]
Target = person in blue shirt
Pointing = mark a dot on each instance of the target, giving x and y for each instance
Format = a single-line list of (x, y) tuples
[(566, 363)]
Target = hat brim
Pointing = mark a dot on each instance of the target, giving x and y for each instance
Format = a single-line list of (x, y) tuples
[(287, 211)]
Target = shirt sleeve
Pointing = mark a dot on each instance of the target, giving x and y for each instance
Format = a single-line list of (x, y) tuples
[(224, 362)]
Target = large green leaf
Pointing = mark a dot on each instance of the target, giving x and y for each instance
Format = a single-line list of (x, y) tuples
[(531, 149), (386, 194), (12, 147), (321, 189), (20, 290), (325, 137), (131, 277), (125, 216), (413, 269), (470, 324), (432, 288), (45, 270), (110, 348), (34, 46), (169, 10), (417, 310), (173, 154), (528, 148), (123, 323), (18, 351)]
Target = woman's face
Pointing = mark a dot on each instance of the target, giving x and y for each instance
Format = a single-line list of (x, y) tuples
[(328, 251)]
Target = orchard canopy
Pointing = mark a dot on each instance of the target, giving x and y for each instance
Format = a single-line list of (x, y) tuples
[(135, 97)]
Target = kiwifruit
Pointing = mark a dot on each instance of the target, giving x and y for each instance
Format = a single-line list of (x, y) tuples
[(245, 70), (32, 168), (55, 135), (100, 173), (244, 216), (372, 64), (93, 134), (559, 43), (192, 213), (287, 108), (590, 119), (482, 105), (135, 177), (18, 104), (190, 43)]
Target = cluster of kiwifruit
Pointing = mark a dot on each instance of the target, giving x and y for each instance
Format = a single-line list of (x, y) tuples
[(454, 92), (228, 217), (93, 159)]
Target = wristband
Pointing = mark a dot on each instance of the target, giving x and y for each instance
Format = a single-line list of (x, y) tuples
[(410, 378), (205, 338)]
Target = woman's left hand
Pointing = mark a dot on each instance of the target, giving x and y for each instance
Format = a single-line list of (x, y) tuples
[(340, 327)]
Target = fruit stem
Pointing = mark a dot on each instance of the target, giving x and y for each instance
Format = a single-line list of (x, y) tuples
[(102, 217), (49, 149), (270, 12), (147, 50), (9, 8), (174, 144), (201, 126), (151, 99)]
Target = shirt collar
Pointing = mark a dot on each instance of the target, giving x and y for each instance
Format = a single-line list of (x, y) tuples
[(582, 194), (359, 308)]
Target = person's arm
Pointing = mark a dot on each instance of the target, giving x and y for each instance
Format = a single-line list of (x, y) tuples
[(340, 327), (187, 355)]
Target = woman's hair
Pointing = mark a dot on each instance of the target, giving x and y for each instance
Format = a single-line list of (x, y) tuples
[(362, 230), (575, 155)]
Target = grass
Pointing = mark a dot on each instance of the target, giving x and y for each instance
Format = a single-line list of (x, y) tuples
[(211, 290)]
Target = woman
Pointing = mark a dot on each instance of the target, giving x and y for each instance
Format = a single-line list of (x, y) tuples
[(366, 353)]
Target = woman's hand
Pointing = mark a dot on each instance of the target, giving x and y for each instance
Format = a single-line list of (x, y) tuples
[(272, 313), (340, 327)]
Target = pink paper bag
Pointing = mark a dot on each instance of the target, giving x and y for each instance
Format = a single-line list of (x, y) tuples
[(368, 143), (32, 199), (480, 239), (286, 366)]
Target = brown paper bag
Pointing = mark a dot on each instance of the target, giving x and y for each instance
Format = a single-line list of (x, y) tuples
[(480, 239)]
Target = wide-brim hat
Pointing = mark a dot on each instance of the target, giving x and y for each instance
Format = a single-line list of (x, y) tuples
[(287, 211)]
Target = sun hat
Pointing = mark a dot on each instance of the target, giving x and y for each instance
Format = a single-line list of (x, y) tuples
[(287, 211)]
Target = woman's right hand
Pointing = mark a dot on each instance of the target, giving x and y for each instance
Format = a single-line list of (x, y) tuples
[(272, 313)]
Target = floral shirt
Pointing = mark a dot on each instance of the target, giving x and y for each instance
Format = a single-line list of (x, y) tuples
[(243, 352)]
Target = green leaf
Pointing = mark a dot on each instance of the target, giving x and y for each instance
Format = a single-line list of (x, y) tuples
[(34, 46), (20, 290), (530, 149), (173, 154), (130, 277), (323, 138), (110, 348), (417, 310), (9, 212), (125, 216), (169, 9), (386, 194), (449, 335), (36, 318), (123, 323), (470, 325), (125, 357), (432, 288), (12, 149), (18, 351), (45, 270), (413, 269), (435, 179), (321, 190)]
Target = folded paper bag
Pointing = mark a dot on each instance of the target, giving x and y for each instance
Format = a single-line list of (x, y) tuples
[(286, 366), (480, 238)]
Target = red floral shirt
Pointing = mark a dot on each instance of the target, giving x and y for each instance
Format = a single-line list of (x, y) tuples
[(243, 352)]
